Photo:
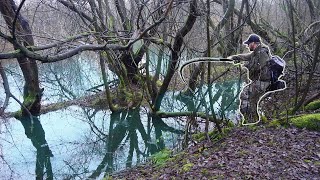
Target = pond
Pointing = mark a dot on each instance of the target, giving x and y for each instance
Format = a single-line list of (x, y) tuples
[(85, 142), (88, 142)]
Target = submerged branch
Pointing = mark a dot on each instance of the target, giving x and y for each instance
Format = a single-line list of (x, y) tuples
[(186, 113)]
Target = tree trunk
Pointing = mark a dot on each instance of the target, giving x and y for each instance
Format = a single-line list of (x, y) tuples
[(32, 92), (175, 53)]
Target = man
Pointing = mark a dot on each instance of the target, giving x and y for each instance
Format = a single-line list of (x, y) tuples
[(256, 63)]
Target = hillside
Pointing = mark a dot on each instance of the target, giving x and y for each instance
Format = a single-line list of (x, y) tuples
[(245, 153)]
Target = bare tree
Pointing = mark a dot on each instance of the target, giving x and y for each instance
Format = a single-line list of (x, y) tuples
[(21, 35)]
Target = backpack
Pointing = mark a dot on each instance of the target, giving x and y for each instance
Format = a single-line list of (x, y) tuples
[(275, 67)]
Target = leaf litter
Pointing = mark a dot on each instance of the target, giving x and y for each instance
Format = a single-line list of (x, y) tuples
[(246, 153)]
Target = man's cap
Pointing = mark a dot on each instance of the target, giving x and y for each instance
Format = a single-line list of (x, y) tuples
[(252, 38)]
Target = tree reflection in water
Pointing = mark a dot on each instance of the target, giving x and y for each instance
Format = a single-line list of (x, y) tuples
[(224, 95), (34, 131), (124, 127), (112, 142)]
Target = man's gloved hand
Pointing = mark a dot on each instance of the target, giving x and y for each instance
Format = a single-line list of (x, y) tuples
[(235, 59)]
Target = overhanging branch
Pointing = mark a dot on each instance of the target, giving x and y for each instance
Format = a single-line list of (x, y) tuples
[(47, 59), (31, 52)]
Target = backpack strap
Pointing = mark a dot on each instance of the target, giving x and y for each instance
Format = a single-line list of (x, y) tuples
[(268, 52)]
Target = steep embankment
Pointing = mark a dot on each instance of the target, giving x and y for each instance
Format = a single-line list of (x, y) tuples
[(245, 153)]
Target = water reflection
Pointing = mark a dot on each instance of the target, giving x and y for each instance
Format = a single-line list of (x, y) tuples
[(86, 142), (34, 131), (126, 126), (89, 142), (224, 98)]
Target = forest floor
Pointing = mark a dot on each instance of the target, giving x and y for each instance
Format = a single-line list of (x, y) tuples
[(257, 152)]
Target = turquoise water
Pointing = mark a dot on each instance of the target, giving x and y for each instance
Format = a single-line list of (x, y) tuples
[(89, 142), (85, 142), (83, 139)]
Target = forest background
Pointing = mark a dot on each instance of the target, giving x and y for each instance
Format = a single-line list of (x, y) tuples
[(123, 36)]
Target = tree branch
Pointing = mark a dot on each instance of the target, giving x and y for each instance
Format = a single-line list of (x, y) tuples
[(6, 89), (186, 113), (30, 52), (15, 20), (74, 9), (175, 52)]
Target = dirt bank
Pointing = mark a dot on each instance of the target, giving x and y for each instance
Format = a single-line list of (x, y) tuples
[(246, 153)]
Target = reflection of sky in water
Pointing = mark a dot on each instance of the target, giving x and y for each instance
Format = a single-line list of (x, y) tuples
[(73, 143)]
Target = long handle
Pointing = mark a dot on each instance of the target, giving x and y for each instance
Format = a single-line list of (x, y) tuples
[(201, 59)]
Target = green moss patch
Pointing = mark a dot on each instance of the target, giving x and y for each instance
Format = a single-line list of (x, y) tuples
[(275, 123), (310, 122), (313, 106), (161, 157), (187, 167), (213, 135)]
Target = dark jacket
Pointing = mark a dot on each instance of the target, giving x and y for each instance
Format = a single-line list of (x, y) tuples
[(256, 62)]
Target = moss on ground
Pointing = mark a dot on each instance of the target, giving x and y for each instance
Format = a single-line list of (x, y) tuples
[(214, 135), (313, 106), (161, 157), (309, 121), (187, 167)]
